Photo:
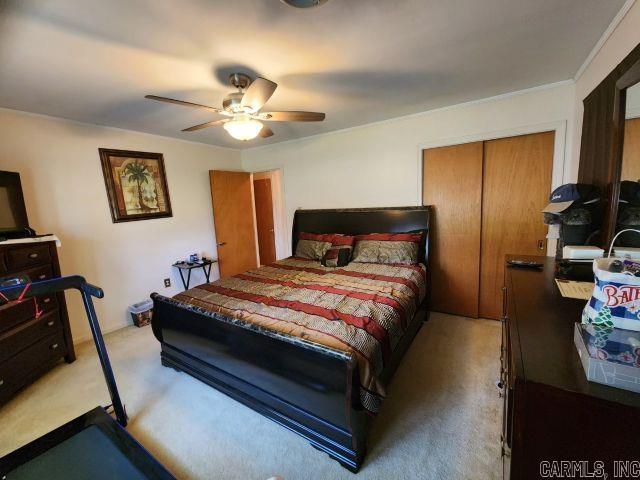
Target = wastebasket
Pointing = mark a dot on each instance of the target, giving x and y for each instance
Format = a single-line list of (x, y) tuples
[(141, 313)]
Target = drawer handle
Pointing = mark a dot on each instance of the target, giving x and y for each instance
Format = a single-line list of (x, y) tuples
[(50, 324), (42, 277), (33, 255), (54, 346), (47, 300), (1, 382)]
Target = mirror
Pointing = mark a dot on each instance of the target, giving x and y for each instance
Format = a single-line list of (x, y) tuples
[(603, 145), (628, 215)]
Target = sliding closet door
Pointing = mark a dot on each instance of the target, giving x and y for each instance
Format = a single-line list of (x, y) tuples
[(516, 186), (452, 183)]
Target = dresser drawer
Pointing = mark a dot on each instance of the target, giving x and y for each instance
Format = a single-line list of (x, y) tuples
[(38, 274), (17, 339), (24, 367), (16, 313), (35, 274), (25, 257)]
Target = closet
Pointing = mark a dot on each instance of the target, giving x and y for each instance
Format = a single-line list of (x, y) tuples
[(487, 198)]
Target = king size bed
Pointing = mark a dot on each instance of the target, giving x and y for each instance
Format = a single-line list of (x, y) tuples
[(309, 346)]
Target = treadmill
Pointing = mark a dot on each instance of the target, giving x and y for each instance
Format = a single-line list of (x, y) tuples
[(95, 445)]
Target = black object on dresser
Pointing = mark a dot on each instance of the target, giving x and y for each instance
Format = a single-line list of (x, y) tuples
[(552, 413), (31, 344)]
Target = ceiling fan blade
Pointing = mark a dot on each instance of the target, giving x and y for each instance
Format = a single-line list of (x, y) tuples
[(266, 132), (292, 116), (214, 123), (258, 93), (181, 102)]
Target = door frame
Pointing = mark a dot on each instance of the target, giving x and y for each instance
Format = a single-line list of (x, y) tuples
[(558, 170)]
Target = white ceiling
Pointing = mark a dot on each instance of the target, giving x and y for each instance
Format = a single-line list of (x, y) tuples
[(357, 60)]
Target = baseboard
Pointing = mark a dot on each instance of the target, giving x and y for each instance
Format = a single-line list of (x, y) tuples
[(77, 340)]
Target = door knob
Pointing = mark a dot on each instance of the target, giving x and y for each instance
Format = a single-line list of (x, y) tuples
[(221, 244)]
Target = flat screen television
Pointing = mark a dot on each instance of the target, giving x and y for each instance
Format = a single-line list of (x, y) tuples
[(13, 213)]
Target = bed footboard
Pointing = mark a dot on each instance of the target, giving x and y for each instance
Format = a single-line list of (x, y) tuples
[(312, 391)]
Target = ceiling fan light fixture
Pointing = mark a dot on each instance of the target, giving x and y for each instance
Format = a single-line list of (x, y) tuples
[(304, 3), (243, 127)]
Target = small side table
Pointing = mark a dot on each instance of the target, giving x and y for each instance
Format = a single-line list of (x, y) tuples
[(188, 266)]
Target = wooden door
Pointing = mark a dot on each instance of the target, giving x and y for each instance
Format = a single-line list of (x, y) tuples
[(264, 220), (452, 183), (234, 221), (631, 150), (516, 186)]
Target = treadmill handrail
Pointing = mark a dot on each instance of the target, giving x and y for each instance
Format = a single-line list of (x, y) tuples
[(54, 285)]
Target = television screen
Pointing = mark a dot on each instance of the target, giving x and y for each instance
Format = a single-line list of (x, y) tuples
[(13, 214)]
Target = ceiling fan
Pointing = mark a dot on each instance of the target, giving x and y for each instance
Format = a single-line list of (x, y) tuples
[(242, 108)]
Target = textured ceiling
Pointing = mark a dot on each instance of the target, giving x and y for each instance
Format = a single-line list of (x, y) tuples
[(357, 60)]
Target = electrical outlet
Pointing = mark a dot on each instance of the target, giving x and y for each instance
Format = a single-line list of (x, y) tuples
[(167, 282)]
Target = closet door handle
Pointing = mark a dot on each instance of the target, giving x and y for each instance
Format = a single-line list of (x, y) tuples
[(221, 244), (541, 245)]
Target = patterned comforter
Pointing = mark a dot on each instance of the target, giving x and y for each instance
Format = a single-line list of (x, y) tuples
[(362, 308)]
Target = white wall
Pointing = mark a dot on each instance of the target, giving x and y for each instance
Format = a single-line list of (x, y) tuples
[(379, 164), (65, 194)]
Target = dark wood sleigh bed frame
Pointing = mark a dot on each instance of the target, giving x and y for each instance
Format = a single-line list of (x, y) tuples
[(311, 391)]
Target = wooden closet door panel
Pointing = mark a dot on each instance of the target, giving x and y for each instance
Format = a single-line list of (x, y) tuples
[(631, 150), (452, 183), (516, 186)]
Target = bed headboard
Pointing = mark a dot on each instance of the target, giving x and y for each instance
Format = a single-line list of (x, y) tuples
[(358, 221)]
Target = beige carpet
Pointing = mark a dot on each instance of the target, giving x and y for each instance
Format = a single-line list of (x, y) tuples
[(441, 419)]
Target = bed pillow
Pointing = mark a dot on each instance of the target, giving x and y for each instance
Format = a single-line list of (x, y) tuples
[(390, 248), (312, 245), (336, 257)]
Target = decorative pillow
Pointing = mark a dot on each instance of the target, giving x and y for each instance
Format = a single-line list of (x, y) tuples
[(345, 242), (392, 248), (336, 257), (313, 246)]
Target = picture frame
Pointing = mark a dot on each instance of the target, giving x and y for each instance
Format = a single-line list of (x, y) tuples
[(136, 184)]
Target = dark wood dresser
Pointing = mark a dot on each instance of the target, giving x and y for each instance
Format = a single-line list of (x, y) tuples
[(551, 412), (30, 346)]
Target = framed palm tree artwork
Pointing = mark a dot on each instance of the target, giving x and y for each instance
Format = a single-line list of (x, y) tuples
[(136, 185)]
